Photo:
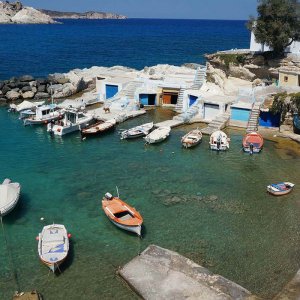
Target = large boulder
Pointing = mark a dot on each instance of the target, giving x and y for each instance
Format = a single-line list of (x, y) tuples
[(12, 95), (5, 89), (1, 85), (29, 15), (77, 81), (26, 78), (62, 90), (41, 95), (58, 78), (41, 88), (26, 89), (28, 95)]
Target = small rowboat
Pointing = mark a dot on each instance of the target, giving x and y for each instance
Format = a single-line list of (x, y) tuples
[(279, 189), (219, 141), (137, 131), (253, 142), (53, 245), (192, 138), (158, 135), (9, 196), (121, 214), (99, 128)]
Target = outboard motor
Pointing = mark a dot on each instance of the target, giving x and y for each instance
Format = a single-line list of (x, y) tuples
[(251, 148), (108, 196)]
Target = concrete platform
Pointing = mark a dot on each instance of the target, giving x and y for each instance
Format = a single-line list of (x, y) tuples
[(159, 273), (171, 123), (119, 115)]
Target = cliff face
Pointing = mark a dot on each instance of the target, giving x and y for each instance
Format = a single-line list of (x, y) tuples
[(85, 15), (15, 13)]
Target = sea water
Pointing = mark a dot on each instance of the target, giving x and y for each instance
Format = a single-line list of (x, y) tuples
[(211, 207)]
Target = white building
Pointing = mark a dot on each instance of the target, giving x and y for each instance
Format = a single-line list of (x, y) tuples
[(294, 48)]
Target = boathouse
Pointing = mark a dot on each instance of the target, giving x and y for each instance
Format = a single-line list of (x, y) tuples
[(240, 114)]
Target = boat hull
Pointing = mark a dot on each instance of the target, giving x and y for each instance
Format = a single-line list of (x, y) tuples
[(41, 122), (155, 141), (276, 190), (134, 229), (86, 133), (9, 206), (62, 130), (253, 143)]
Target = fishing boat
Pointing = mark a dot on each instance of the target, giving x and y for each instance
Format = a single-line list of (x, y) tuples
[(9, 196), (53, 245), (137, 131), (279, 189), (253, 142), (44, 114), (158, 135), (73, 120), (121, 214), (98, 128), (192, 138), (219, 141)]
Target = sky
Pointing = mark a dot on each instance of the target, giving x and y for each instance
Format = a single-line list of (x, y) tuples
[(171, 9)]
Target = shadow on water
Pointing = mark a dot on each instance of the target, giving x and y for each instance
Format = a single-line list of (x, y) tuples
[(69, 259), (18, 214)]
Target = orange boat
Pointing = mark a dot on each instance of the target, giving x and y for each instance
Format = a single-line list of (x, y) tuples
[(253, 142), (121, 214)]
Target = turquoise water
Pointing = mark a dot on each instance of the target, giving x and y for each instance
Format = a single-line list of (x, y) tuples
[(211, 207)]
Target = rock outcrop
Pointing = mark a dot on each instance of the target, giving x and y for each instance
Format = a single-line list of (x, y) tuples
[(17, 13), (85, 15)]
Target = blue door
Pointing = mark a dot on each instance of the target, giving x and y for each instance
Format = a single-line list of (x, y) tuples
[(111, 90), (192, 99), (144, 99)]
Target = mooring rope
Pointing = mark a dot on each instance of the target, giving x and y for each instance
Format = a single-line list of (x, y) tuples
[(14, 273)]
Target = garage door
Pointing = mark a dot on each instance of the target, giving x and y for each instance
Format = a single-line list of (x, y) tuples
[(211, 111), (148, 99), (111, 90)]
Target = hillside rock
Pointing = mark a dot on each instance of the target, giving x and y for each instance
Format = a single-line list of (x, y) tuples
[(12, 95), (16, 13)]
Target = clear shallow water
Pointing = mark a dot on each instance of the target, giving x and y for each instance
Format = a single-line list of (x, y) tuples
[(245, 234), (42, 49)]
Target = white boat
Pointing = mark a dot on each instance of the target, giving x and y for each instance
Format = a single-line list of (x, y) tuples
[(25, 105), (158, 135), (279, 189), (53, 245), (137, 131), (73, 120), (219, 141), (192, 138), (44, 114), (9, 196)]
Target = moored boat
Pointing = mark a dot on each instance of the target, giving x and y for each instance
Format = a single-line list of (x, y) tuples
[(219, 141), (253, 142), (73, 120), (9, 196), (98, 128), (44, 114), (53, 245), (158, 135), (279, 189), (121, 214), (192, 138), (137, 131), (33, 295)]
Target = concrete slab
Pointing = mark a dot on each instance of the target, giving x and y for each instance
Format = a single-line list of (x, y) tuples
[(292, 290), (159, 273), (171, 123)]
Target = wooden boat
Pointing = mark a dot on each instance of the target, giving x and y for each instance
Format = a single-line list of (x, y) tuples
[(158, 135), (192, 138), (253, 142), (219, 141), (9, 196), (137, 131), (98, 128), (53, 245), (279, 189), (43, 115), (73, 120), (121, 214)]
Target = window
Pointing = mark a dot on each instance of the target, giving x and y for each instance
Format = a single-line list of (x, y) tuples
[(286, 78)]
